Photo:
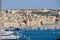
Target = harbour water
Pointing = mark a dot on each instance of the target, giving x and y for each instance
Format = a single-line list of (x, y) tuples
[(40, 34)]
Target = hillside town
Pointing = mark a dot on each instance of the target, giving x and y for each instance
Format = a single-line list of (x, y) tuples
[(29, 17)]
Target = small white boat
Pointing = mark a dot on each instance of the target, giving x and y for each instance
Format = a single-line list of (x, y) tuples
[(7, 37), (3, 32)]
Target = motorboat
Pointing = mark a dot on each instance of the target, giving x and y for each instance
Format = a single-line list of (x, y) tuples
[(8, 35), (7, 32)]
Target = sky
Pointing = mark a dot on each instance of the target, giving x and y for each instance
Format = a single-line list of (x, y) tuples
[(20, 4)]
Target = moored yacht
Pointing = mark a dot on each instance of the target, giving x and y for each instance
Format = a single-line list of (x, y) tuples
[(8, 35)]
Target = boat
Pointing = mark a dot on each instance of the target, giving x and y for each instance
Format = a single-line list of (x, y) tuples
[(8, 35), (7, 32), (10, 29)]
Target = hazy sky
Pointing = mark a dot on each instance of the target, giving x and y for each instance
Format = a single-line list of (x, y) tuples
[(18, 4)]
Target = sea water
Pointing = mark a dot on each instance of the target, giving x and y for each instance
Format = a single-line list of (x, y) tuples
[(40, 34)]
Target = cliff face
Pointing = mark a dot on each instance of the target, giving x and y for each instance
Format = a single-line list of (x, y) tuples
[(26, 17)]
